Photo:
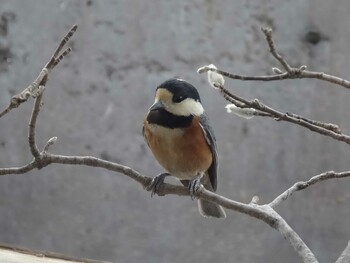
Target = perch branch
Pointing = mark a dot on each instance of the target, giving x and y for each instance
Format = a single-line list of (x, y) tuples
[(261, 212)]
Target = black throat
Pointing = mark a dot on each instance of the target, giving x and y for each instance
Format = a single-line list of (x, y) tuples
[(168, 120)]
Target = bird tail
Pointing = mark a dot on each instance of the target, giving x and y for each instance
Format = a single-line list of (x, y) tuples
[(208, 209)]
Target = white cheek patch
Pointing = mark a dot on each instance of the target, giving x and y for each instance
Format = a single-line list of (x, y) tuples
[(186, 107)]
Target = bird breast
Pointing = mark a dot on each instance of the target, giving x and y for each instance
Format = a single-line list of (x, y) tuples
[(182, 152)]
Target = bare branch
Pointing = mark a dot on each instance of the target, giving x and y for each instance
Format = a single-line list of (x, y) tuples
[(96, 162), (42, 78), (31, 133), (292, 237), (327, 129), (305, 74), (56, 58), (263, 212), (60, 57), (291, 72), (302, 185), (19, 170), (345, 256), (165, 189), (65, 40), (247, 111), (268, 35), (31, 90), (329, 126)]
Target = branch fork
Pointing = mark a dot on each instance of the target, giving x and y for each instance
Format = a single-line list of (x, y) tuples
[(327, 129)]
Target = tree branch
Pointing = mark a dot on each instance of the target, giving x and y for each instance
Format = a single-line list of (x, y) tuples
[(261, 212), (19, 170), (304, 184), (327, 129), (31, 134), (216, 80), (268, 35), (34, 88), (291, 72), (345, 256)]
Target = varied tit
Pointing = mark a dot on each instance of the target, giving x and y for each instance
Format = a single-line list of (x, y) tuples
[(178, 133)]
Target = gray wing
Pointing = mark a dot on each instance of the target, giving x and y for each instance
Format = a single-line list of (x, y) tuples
[(210, 138)]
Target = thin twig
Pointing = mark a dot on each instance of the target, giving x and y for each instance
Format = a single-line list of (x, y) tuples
[(24, 95), (329, 126), (291, 72), (327, 129), (268, 35), (42, 78), (300, 72), (304, 184), (65, 40), (60, 57), (305, 74), (7, 110), (31, 132)]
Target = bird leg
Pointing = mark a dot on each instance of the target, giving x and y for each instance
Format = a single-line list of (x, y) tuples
[(194, 185), (156, 183)]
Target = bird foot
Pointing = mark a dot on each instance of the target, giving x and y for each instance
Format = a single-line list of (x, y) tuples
[(194, 186), (156, 183)]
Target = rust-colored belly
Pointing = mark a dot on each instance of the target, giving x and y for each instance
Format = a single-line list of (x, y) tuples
[(183, 153)]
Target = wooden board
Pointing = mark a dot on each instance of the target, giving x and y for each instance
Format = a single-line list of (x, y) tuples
[(9, 254)]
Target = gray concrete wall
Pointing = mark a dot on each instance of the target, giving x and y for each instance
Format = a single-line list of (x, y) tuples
[(95, 102)]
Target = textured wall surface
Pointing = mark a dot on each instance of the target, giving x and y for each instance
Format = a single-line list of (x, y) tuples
[(95, 102)]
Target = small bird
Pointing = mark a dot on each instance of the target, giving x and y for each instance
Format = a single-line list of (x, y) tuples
[(178, 132)]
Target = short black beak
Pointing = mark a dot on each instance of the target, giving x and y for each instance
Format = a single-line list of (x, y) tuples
[(156, 106)]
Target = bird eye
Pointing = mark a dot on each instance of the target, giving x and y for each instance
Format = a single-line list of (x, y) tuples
[(178, 99)]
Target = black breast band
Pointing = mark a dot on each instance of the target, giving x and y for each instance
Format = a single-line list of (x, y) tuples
[(168, 120)]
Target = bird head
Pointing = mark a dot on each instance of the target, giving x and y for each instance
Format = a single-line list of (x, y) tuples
[(177, 97)]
